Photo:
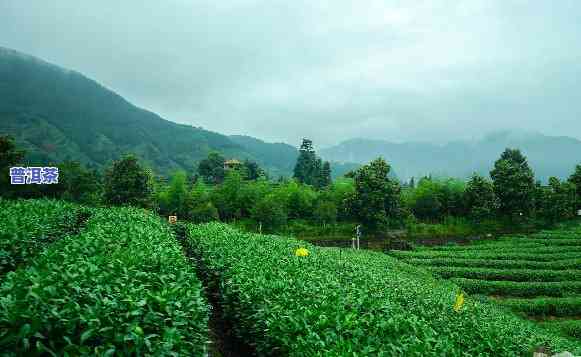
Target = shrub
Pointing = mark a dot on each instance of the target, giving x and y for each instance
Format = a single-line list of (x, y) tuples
[(337, 302), (120, 287)]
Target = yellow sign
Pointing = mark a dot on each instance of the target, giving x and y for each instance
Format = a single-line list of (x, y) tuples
[(459, 302), (173, 219), (301, 252)]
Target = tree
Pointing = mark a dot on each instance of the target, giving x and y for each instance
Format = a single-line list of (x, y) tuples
[(555, 202), (297, 199), (128, 183), (227, 197), (78, 184), (303, 170), (269, 213), (252, 170), (376, 198), (173, 199), (204, 212), (211, 169), (575, 180), (480, 198), (9, 156), (513, 182), (325, 212), (325, 176)]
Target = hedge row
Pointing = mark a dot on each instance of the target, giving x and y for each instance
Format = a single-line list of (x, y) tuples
[(567, 327), (499, 264), (531, 275), (568, 306), (337, 302), (522, 289), (121, 287), (500, 255), (510, 248), (27, 227)]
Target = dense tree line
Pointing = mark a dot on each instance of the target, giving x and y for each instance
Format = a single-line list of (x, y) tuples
[(369, 195)]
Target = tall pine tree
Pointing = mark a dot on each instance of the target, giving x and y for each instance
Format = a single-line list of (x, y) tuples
[(310, 169)]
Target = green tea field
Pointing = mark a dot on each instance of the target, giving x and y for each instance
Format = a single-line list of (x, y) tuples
[(537, 276), (121, 282)]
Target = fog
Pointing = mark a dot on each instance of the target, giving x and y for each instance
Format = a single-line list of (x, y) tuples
[(329, 70)]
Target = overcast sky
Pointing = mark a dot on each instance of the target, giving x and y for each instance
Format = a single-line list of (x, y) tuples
[(328, 70)]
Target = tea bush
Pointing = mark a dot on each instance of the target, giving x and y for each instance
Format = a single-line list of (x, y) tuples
[(28, 226), (507, 274), (516, 288), (501, 264), (339, 302), (500, 255), (568, 306), (121, 287)]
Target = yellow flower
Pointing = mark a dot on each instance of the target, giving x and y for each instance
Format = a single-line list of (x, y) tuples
[(301, 252), (459, 302)]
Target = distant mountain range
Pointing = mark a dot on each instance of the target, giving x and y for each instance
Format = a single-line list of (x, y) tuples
[(547, 155), (57, 114)]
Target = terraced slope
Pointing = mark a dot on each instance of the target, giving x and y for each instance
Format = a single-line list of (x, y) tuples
[(537, 276), (339, 302)]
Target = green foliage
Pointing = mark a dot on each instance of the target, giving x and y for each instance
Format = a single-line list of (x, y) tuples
[(545, 306), (211, 169), (310, 169), (173, 199), (507, 274), (480, 200), (434, 199), (337, 302), (542, 269), (376, 201), (121, 287), (555, 202), (269, 213), (494, 255), (128, 183), (513, 182), (204, 212), (575, 180), (28, 227), (492, 263), (9, 156), (77, 184), (227, 196), (517, 288), (325, 212), (297, 199), (570, 327)]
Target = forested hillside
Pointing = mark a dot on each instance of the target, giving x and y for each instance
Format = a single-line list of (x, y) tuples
[(57, 114)]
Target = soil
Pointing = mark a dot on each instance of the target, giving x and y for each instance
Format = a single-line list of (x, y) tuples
[(223, 342)]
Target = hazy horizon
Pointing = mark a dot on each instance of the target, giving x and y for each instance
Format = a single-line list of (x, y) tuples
[(434, 71)]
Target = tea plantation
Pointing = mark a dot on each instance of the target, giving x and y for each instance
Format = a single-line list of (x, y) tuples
[(537, 276), (337, 302), (118, 281)]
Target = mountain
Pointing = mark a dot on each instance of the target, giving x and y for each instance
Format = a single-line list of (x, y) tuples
[(547, 155), (57, 114)]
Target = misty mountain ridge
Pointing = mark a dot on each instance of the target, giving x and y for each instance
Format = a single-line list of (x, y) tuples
[(547, 155), (57, 114)]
